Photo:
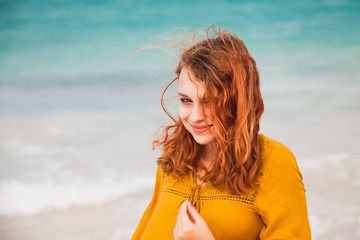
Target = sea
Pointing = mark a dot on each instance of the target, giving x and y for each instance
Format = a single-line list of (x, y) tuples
[(80, 88)]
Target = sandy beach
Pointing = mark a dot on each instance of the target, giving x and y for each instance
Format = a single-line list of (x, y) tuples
[(332, 203), (114, 220)]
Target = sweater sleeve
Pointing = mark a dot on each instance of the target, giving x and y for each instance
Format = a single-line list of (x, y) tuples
[(281, 200), (150, 209)]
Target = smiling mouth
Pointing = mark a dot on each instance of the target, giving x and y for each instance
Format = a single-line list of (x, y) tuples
[(200, 128)]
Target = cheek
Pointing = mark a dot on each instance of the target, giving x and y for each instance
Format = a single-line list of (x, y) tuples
[(183, 113), (208, 117)]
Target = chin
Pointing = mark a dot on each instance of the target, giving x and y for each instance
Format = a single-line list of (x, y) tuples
[(204, 140)]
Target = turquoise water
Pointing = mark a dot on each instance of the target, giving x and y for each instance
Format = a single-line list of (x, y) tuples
[(55, 39)]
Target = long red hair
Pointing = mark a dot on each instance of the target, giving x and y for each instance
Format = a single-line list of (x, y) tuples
[(224, 66)]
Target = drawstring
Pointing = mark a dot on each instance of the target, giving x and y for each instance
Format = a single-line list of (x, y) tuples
[(194, 194), (194, 197)]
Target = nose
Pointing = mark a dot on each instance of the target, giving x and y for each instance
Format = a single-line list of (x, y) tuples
[(196, 114)]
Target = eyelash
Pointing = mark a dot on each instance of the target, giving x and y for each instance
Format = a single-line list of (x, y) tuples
[(185, 100)]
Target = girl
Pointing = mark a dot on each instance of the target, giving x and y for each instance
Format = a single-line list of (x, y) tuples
[(217, 177)]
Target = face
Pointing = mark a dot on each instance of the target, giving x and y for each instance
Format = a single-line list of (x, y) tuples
[(194, 109)]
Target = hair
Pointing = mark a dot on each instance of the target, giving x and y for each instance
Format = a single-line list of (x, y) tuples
[(225, 67)]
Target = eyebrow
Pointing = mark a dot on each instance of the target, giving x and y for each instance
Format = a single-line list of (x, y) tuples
[(184, 95)]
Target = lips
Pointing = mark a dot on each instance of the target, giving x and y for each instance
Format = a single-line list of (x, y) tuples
[(200, 128)]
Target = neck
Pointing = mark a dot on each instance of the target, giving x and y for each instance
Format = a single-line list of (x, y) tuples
[(208, 155), (207, 159)]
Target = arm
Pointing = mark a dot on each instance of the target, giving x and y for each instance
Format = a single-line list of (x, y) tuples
[(281, 200), (149, 210)]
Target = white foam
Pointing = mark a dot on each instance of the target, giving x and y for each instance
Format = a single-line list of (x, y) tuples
[(122, 234), (21, 198), (356, 182), (335, 160), (318, 225), (25, 149), (317, 162)]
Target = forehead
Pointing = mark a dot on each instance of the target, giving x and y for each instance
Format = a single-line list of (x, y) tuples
[(189, 85)]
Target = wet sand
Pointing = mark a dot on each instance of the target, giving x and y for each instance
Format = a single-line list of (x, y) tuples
[(333, 206), (114, 221)]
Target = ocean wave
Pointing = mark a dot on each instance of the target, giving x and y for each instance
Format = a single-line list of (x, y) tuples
[(335, 159), (18, 198)]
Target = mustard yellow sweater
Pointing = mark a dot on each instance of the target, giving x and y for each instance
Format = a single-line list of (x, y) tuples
[(275, 210)]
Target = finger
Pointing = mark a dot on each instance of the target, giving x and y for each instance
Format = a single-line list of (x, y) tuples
[(175, 234), (183, 217), (182, 210), (183, 205), (178, 224), (193, 213)]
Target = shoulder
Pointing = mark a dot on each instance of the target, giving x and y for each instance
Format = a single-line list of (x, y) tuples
[(278, 163), (274, 153), (270, 145), (281, 189)]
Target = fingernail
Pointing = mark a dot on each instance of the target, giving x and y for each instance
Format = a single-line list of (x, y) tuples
[(191, 203)]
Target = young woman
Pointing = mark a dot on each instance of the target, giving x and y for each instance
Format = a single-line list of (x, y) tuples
[(217, 177)]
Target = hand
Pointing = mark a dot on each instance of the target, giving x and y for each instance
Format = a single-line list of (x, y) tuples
[(195, 229)]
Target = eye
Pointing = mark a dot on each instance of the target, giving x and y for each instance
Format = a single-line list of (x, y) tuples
[(185, 100), (206, 101)]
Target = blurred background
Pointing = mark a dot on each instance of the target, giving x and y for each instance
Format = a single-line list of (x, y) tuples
[(77, 117)]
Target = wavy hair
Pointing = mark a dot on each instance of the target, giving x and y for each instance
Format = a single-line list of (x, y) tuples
[(225, 67)]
